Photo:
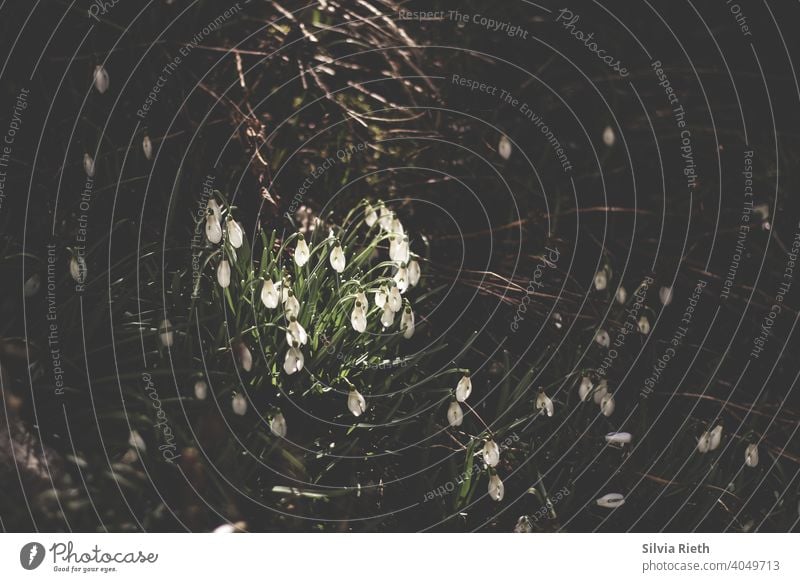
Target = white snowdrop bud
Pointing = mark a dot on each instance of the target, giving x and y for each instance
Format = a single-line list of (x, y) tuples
[(523, 525), (463, 388), (239, 404), (294, 360), (644, 325), (381, 296), (751, 455), (147, 147), (401, 278), (600, 280), (337, 258), (243, 355), (585, 389), (136, 441), (399, 250), (504, 147), (618, 438), (716, 437), (609, 137), (356, 403), (455, 416), (358, 318), (32, 285), (224, 273), (395, 301), (413, 273), (387, 317), (611, 500), (101, 79), (607, 405), (213, 229), (491, 453), (370, 216), (544, 403), (200, 389), (665, 295), (301, 252), (385, 219), (704, 442), (602, 338), (622, 295), (270, 296), (601, 391), (277, 425), (291, 306), (296, 334), (407, 323), (496, 487), (88, 165), (235, 233), (165, 334)]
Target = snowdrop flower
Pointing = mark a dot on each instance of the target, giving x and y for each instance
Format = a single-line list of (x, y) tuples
[(524, 525), (618, 438), (291, 306), (644, 325), (401, 278), (88, 165), (601, 391), (751, 455), (243, 355), (455, 416), (77, 268), (358, 317), (413, 273), (277, 425), (270, 296), (295, 334), (585, 388), (370, 216), (704, 442), (603, 338), (301, 252), (543, 402), (491, 453), (600, 280), (407, 322), (387, 317), (200, 389), (100, 79), (611, 500), (239, 404), (356, 403), (361, 298), (294, 360), (394, 301), (396, 227), (213, 229), (609, 137), (463, 388), (607, 405), (496, 488), (136, 441), (716, 438), (224, 273), (622, 295), (665, 295), (337, 258), (385, 219), (398, 250), (166, 334), (382, 296), (213, 207), (235, 233), (225, 528), (504, 147), (147, 147)]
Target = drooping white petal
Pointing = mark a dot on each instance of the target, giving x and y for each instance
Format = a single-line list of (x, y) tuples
[(370, 216), (239, 404), (395, 302), (622, 295), (600, 280), (601, 391), (491, 453), (361, 298), (523, 525), (147, 147), (294, 361), (413, 273), (77, 268), (544, 403), (585, 389), (337, 258), (382, 296), (618, 438), (401, 278), (407, 323), (136, 441), (504, 147), (301, 252), (277, 425), (358, 318), (101, 80), (295, 334), (165, 333), (611, 500), (88, 165), (602, 338), (224, 273), (704, 442), (751, 455), (356, 403), (455, 416), (387, 317), (716, 437), (213, 229), (607, 405), (399, 250), (644, 325), (235, 233), (270, 296), (243, 355), (396, 227), (665, 295), (385, 219), (200, 389), (609, 137), (292, 307), (463, 388), (213, 207), (496, 488)]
